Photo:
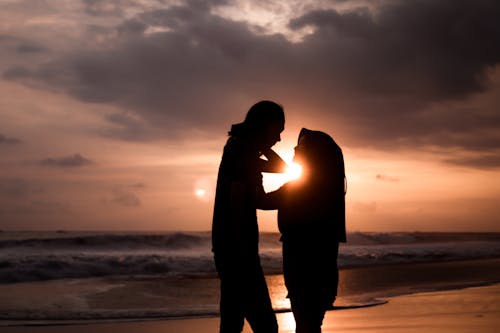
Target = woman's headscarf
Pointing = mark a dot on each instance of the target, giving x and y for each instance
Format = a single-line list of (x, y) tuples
[(324, 156)]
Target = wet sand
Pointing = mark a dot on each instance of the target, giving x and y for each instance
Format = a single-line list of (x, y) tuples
[(429, 307), (475, 309)]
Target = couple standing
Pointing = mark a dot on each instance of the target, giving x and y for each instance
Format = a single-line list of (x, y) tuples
[(311, 219)]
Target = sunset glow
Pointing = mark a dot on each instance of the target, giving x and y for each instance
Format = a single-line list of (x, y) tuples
[(273, 181), (117, 118), (293, 171), (204, 189)]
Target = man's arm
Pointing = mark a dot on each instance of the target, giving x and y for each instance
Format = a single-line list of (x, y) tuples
[(273, 164)]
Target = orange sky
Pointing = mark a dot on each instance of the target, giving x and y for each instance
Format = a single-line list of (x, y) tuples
[(113, 115)]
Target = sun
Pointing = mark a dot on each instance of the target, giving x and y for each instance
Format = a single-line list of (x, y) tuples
[(293, 171), (200, 192), (273, 181), (203, 189)]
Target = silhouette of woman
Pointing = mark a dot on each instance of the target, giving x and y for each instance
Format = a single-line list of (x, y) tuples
[(311, 219)]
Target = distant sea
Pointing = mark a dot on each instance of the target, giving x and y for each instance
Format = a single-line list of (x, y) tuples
[(140, 275)]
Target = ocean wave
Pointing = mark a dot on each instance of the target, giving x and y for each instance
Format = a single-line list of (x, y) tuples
[(178, 240), (386, 238), (183, 240), (98, 255), (57, 266), (363, 255)]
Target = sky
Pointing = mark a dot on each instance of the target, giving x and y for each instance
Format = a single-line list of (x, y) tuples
[(113, 114)]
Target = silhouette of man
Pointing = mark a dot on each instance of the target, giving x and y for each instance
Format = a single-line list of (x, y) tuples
[(235, 235)]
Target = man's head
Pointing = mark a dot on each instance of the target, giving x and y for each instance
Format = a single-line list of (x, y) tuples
[(265, 121)]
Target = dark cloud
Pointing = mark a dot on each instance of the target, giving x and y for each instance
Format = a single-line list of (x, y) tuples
[(127, 199), (127, 126), (132, 27), (365, 207), (431, 49), (379, 74), (46, 206), (124, 195), (105, 7), (16, 72), (21, 45), (138, 185), (484, 161), (71, 161), (38, 208), (191, 76), (18, 188), (387, 178), (6, 140), (30, 48)]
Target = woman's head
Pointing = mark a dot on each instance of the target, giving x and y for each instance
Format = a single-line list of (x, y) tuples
[(263, 124), (318, 153)]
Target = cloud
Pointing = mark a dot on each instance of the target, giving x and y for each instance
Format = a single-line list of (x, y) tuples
[(126, 126), (46, 206), (387, 178), (30, 48), (431, 49), (137, 185), (117, 8), (71, 161), (384, 75), (483, 161), (365, 207), (6, 140), (18, 188), (124, 195), (21, 46), (39, 208), (126, 198), (105, 8)]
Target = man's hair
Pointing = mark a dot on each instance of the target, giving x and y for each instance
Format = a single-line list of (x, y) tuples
[(264, 112), (259, 116)]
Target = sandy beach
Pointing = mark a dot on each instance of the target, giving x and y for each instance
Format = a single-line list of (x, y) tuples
[(404, 296), (475, 309)]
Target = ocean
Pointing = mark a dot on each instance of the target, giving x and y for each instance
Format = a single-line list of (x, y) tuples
[(61, 276)]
